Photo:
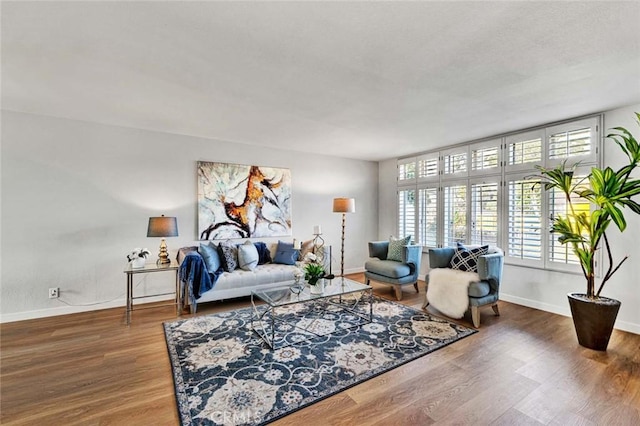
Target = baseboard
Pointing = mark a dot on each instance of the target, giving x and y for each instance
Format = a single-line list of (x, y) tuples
[(66, 309), (564, 311)]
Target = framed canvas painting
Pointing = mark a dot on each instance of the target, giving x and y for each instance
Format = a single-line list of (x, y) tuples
[(239, 201)]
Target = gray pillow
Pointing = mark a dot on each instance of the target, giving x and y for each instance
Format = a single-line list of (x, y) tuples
[(396, 245), (247, 256), (209, 253)]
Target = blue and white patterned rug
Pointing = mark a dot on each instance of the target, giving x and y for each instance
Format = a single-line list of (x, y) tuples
[(225, 374)]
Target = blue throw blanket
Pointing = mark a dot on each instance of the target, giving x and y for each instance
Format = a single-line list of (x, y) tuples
[(193, 274)]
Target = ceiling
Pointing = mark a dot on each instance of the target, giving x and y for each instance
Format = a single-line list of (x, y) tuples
[(365, 80)]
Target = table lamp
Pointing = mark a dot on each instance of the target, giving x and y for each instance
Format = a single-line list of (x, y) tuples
[(163, 227)]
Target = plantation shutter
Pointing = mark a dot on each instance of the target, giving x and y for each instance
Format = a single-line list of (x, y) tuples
[(428, 216), (524, 221), (524, 150), (485, 157), (428, 167), (455, 214), (575, 141), (484, 213), (455, 163), (406, 212), (406, 171)]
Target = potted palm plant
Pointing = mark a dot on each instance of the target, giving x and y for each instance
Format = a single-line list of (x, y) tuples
[(611, 195)]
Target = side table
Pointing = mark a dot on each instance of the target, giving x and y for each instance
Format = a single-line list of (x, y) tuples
[(146, 269)]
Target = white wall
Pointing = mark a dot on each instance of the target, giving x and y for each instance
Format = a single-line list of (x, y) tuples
[(76, 198), (544, 289)]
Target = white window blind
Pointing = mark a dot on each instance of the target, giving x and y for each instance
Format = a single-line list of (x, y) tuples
[(484, 213), (454, 163), (428, 216), (576, 140), (562, 253), (428, 167), (485, 156), (406, 212), (527, 149), (406, 170), (455, 214), (524, 223)]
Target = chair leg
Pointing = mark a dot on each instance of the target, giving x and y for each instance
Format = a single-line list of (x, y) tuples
[(398, 290), (368, 281), (475, 316), (415, 285), (426, 302), (495, 309)]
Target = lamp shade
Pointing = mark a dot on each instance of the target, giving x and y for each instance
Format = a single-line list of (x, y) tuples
[(162, 227), (344, 205)]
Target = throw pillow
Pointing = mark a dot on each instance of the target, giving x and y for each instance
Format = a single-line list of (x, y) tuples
[(264, 255), (229, 255), (209, 252), (394, 252), (286, 254), (466, 259), (307, 247), (247, 256)]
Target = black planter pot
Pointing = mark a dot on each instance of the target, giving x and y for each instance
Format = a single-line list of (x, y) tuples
[(593, 319)]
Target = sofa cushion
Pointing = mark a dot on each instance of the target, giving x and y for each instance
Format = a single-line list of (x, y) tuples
[(479, 289), (209, 252), (286, 254), (228, 255), (387, 268), (466, 259), (396, 246), (247, 256)]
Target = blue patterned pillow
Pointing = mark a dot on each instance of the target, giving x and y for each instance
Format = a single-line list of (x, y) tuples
[(396, 245), (228, 255), (466, 259)]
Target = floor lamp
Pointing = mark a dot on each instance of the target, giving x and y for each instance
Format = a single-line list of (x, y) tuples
[(344, 206)]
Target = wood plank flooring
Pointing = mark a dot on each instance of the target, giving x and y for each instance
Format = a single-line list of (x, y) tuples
[(523, 368)]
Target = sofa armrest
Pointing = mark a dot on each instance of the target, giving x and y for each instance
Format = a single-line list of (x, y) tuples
[(379, 249), (440, 257), (490, 269)]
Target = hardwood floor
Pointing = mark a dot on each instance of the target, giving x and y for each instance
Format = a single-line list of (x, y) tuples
[(523, 368)]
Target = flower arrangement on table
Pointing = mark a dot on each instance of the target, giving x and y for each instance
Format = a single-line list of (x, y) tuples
[(311, 270), (137, 253)]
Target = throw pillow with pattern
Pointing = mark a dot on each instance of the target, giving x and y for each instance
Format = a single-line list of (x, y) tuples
[(396, 245), (466, 259), (228, 255)]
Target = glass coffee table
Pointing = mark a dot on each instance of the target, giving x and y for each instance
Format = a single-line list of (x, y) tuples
[(292, 314)]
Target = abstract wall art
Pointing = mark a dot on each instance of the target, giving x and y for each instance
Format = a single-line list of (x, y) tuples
[(239, 201)]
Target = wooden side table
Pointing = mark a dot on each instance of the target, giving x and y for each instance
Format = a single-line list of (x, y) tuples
[(148, 268)]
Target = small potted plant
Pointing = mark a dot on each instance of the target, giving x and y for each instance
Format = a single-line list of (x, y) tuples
[(611, 194), (137, 257), (314, 273)]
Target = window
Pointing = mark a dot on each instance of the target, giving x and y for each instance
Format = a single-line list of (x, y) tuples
[(406, 212), (454, 163), (575, 141), (524, 150), (428, 168), (484, 213), (428, 216), (561, 253), (406, 170), (485, 157), (455, 214), (489, 192), (524, 220)]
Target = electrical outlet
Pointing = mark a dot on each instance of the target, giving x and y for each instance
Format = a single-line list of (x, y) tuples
[(54, 293)]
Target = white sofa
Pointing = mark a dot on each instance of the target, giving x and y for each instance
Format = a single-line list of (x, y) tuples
[(241, 283)]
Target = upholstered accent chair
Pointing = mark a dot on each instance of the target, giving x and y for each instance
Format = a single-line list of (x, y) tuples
[(392, 272), (481, 293)]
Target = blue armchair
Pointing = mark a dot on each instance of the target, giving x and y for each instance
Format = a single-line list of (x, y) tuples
[(391, 272), (481, 293)]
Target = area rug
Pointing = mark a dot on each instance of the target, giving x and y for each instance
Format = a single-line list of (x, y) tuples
[(224, 374)]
